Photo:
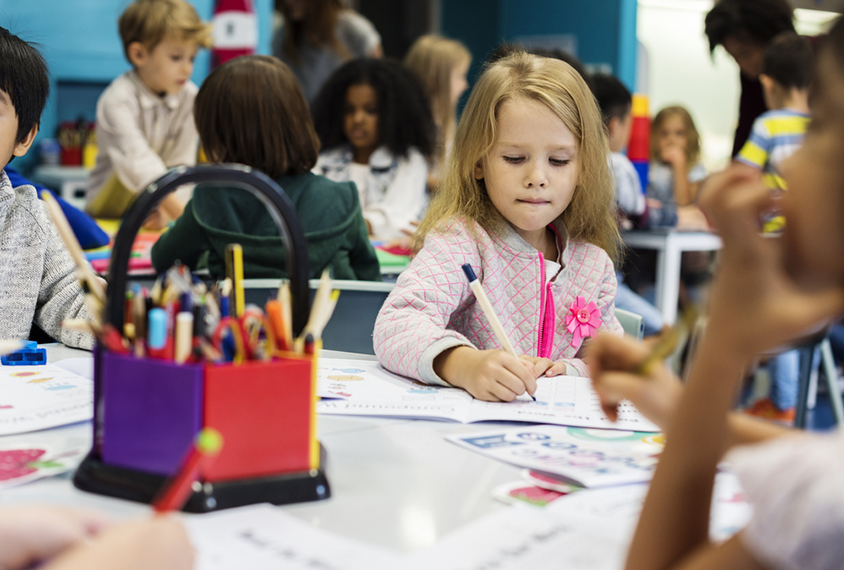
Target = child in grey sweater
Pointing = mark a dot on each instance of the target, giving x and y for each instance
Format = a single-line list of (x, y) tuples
[(37, 274)]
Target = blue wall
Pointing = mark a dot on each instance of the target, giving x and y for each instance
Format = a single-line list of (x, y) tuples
[(605, 29), (80, 41)]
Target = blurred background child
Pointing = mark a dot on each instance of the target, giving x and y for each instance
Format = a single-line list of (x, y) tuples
[(616, 105), (441, 64), (675, 170), (376, 130), (145, 117), (317, 36), (251, 111), (775, 136)]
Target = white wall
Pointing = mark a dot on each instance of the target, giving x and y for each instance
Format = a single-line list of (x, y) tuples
[(681, 71)]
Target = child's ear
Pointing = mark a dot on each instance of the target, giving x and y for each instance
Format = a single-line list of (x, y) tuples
[(479, 170), (23, 146), (613, 126), (137, 53)]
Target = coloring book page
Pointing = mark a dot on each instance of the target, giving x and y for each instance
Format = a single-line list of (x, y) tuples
[(263, 536), (587, 457), (39, 397), (364, 388)]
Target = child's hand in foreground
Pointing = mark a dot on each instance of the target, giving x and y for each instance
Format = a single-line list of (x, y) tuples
[(611, 358), (30, 534), (491, 375), (158, 542)]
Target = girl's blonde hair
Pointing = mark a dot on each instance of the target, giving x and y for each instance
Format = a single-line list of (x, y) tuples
[(692, 136), (433, 59), (590, 216)]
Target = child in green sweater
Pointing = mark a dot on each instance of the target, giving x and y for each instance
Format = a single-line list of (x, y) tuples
[(250, 110)]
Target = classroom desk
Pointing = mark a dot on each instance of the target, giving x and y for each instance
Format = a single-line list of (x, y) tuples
[(394, 483), (669, 245)]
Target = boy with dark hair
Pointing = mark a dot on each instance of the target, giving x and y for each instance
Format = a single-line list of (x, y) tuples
[(616, 106), (38, 282), (776, 135), (786, 77)]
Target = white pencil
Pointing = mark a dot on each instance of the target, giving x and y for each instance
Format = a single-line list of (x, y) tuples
[(486, 307)]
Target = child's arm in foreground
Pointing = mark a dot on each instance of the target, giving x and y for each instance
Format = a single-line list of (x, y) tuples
[(74, 539), (657, 395), (753, 306)]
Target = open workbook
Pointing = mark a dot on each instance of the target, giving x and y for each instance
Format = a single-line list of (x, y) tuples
[(364, 388)]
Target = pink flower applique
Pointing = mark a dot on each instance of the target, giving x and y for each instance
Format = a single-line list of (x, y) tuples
[(583, 320)]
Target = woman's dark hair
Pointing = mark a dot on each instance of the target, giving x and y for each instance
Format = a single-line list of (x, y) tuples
[(404, 115), (24, 77), (250, 110), (834, 42), (759, 21)]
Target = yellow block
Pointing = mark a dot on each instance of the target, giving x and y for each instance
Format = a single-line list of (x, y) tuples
[(640, 105)]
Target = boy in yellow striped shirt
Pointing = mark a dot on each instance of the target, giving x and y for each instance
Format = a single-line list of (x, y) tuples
[(777, 133)]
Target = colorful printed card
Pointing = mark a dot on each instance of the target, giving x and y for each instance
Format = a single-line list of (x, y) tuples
[(39, 397), (22, 463), (588, 457), (364, 388)]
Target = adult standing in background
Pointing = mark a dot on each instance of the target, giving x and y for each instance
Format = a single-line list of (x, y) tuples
[(744, 28), (317, 36)]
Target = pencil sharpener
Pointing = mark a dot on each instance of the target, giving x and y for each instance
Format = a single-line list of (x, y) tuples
[(29, 355)]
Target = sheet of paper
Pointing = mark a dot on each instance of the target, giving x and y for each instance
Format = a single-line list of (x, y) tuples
[(563, 400), (40, 397), (586, 530), (589, 457), (516, 538), (363, 387), (262, 536)]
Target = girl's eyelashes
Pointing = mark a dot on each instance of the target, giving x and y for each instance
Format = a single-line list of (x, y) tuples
[(553, 161)]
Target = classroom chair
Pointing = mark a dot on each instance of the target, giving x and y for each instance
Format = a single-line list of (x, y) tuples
[(633, 324), (351, 325), (808, 381)]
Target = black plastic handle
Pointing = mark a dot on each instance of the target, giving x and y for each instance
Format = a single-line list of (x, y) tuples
[(260, 185)]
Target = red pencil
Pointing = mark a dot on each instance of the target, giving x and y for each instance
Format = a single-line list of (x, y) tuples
[(175, 491)]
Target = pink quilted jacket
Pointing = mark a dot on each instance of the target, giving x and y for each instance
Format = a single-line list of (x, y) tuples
[(433, 309)]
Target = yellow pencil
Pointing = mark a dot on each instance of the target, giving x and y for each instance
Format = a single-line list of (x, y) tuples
[(234, 271)]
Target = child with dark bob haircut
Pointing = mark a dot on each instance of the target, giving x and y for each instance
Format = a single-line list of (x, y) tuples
[(38, 283), (376, 129), (250, 110)]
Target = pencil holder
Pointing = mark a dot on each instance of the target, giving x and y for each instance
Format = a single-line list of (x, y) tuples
[(148, 411)]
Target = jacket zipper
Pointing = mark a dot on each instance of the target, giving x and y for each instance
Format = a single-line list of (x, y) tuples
[(546, 313)]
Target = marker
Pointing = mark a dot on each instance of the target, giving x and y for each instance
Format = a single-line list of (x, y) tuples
[(486, 308), (156, 331), (203, 451)]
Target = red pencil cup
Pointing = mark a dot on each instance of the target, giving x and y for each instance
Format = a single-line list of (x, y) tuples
[(148, 411)]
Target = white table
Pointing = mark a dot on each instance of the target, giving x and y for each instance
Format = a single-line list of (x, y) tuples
[(669, 245), (394, 483)]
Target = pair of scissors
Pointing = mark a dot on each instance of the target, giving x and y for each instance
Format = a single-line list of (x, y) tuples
[(249, 337)]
